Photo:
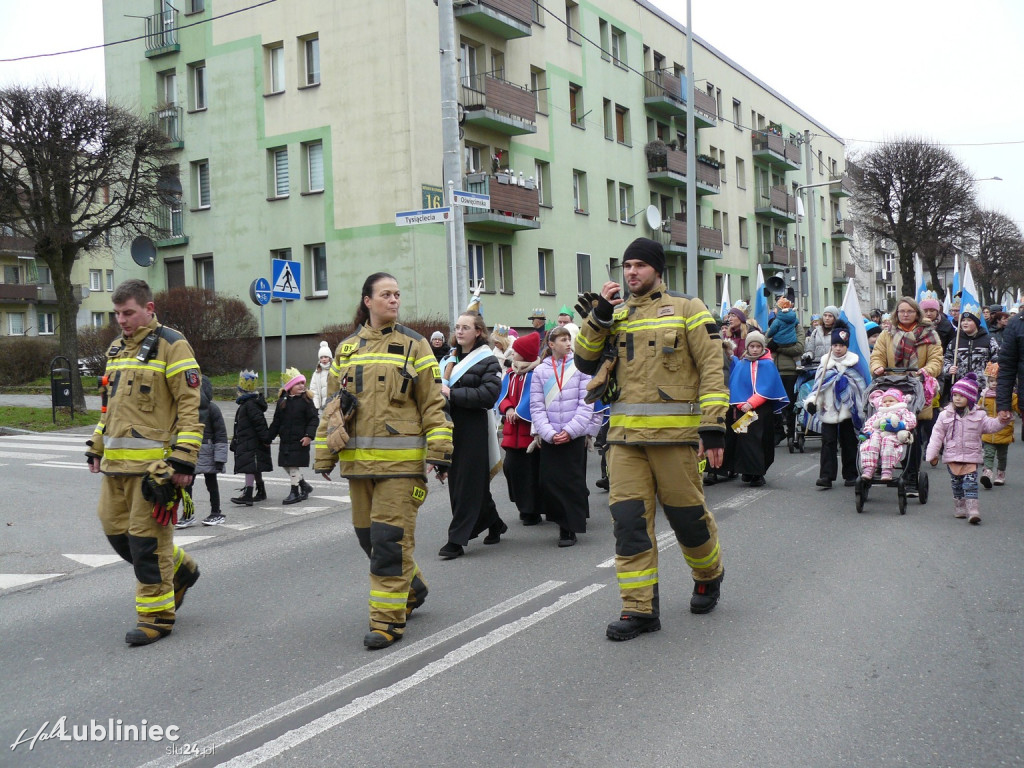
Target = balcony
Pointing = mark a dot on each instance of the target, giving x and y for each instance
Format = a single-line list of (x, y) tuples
[(513, 207), (673, 174), (664, 95), (776, 204), (170, 228), (507, 19), (883, 276), (169, 120), (778, 255), (162, 33), (842, 231), (498, 105), (842, 271), (17, 246), (709, 241), (18, 292), (774, 150), (843, 189)]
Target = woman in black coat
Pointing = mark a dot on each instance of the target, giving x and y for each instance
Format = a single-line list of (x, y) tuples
[(472, 384), (295, 421), (250, 441)]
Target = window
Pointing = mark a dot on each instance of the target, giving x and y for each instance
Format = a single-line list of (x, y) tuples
[(95, 279), (605, 40), (204, 272), (539, 86), (316, 265), (609, 119), (725, 228), (622, 133), (741, 173), (497, 64), (475, 252), (619, 47), (195, 6), (12, 276), (543, 177), (279, 171), (890, 263), (546, 270), (15, 323), (97, 320), (281, 253), (572, 23), (311, 61), (576, 105), (45, 276), (167, 88), (582, 273), (505, 269), (625, 203), (467, 66), (110, 281), (175, 273), (890, 291), (197, 86), (201, 183), (821, 164), (472, 158), (742, 225), (579, 191), (275, 67), (610, 193), (538, 13), (45, 323), (314, 166), (737, 120)]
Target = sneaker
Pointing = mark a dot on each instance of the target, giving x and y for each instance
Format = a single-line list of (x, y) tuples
[(986, 478), (215, 518), (187, 522), (910, 484), (1000, 478), (705, 595), (628, 627), (823, 482)]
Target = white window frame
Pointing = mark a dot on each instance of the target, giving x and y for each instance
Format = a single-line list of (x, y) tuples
[(315, 253), (206, 276), (275, 68), (314, 151), (477, 263), (96, 280), (281, 180), (110, 280), (97, 320), (45, 323), (198, 77), (11, 330), (625, 203), (311, 60), (579, 191), (584, 275), (201, 179), (545, 271)]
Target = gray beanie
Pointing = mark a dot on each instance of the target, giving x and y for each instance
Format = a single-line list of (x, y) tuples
[(832, 310)]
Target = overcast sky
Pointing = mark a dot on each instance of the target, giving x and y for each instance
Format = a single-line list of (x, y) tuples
[(946, 71)]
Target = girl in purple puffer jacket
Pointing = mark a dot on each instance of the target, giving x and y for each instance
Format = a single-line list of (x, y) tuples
[(957, 435), (562, 421)]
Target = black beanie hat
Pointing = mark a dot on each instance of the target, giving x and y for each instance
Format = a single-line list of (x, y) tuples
[(648, 251)]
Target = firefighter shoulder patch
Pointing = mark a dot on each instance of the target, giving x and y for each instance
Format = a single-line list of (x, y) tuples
[(192, 377)]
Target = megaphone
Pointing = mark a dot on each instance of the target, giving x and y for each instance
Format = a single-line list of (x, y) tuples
[(776, 284)]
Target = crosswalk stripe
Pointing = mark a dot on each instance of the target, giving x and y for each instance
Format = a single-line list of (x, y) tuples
[(95, 561), (20, 455), (8, 580)]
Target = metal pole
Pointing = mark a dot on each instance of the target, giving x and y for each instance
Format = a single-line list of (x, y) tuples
[(458, 264), (284, 333), (263, 347), (453, 291), (800, 303), (812, 233), (692, 243)]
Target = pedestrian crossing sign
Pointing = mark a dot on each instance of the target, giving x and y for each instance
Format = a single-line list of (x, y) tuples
[(287, 280)]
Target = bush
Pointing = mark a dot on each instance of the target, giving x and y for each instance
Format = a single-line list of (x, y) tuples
[(93, 344), (221, 330), (24, 358), (334, 334)]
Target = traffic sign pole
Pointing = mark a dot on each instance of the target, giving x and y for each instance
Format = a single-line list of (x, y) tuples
[(259, 292)]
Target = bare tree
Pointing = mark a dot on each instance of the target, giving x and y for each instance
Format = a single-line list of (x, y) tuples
[(76, 172), (999, 265), (918, 195)]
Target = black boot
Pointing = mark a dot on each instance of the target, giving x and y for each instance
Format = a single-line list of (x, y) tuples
[(293, 497), (494, 532), (245, 498), (305, 489), (705, 595), (628, 627), (261, 492)]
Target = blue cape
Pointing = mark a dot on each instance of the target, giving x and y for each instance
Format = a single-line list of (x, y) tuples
[(523, 409), (769, 383)]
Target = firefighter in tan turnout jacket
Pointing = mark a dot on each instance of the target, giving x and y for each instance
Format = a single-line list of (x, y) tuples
[(146, 446), (385, 421), (671, 404)]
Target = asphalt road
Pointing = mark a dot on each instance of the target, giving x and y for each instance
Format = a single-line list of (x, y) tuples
[(841, 639)]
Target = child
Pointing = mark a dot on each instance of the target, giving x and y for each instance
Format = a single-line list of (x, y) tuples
[(888, 430), (213, 454), (521, 467), (782, 331), (957, 435), (318, 381), (250, 440), (995, 445), (836, 406), (295, 420)]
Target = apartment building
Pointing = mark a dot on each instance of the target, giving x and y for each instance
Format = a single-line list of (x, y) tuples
[(303, 127)]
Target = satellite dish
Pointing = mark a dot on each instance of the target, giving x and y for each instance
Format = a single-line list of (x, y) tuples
[(143, 251), (653, 217)]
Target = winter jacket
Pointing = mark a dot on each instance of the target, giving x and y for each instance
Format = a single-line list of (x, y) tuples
[(250, 441), (819, 344), (783, 328), (787, 356), (318, 387), (515, 389), (1005, 435), (1011, 363), (838, 373), (974, 353), (213, 453), (567, 411), (929, 357), (477, 388), (959, 437), (945, 330), (294, 418), (668, 369)]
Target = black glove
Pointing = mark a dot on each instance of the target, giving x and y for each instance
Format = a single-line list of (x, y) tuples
[(712, 439), (348, 403), (811, 408), (603, 310), (586, 304)]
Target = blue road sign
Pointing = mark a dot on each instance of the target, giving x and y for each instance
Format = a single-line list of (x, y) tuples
[(259, 291), (287, 279)]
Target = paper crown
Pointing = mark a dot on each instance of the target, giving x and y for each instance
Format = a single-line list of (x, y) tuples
[(537, 313), (291, 377), (928, 295), (247, 381), (971, 309), (500, 330), (565, 310)]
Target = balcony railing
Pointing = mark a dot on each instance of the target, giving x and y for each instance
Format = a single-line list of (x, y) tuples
[(778, 255), (705, 114), (843, 189), (161, 32), (513, 207), (710, 242), (842, 230), (18, 291), (508, 19), (663, 93), (169, 119), (498, 104), (170, 223), (775, 150), (673, 173), (12, 244), (776, 203)]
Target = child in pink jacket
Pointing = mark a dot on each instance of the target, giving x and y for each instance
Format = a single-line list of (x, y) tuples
[(957, 435)]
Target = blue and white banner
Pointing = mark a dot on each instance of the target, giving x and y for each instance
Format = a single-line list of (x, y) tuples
[(760, 302), (850, 313), (969, 297), (726, 303)]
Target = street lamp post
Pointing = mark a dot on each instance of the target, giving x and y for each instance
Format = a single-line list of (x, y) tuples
[(812, 269)]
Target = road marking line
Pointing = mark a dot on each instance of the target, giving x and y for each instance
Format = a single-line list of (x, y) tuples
[(805, 470), (61, 465), (19, 455), (363, 704), (186, 539), (95, 561), (8, 580), (309, 698)]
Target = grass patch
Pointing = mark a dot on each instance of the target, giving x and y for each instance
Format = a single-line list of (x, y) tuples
[(41, 419)]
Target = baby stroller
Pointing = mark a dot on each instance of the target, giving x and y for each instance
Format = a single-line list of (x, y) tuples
[(907, 382), (802, 419)]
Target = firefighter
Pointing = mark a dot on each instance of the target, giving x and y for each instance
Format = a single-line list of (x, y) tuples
[(663, 354), (146, 445), (385, 421)]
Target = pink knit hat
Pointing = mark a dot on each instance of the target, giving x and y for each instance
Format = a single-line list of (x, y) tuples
[(893, 392)]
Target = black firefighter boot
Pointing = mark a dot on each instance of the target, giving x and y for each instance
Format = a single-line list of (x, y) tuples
[(245, 498), (261, 492), (294, 497), (628, 627)]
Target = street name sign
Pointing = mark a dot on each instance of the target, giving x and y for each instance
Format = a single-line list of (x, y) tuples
[(470, 199), (426, 216)]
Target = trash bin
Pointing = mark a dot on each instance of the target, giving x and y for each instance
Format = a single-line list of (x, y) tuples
[(61, 391)]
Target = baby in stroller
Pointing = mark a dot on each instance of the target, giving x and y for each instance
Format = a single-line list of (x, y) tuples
[(888, 429)]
